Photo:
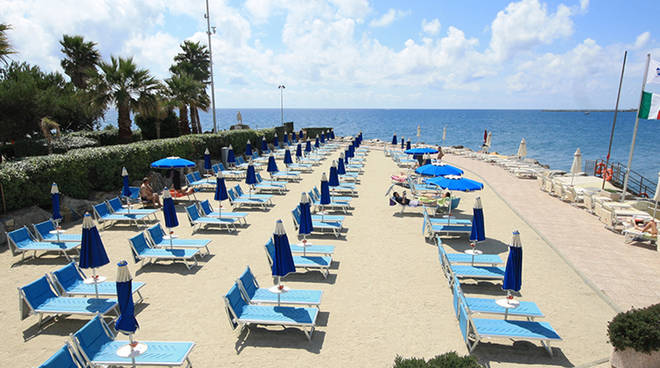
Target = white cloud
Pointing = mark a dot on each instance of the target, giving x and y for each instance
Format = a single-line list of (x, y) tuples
[(526, 24), (584, 5), (155, 51), (388, 18), (641, 40), (356, 9), (431, 27)]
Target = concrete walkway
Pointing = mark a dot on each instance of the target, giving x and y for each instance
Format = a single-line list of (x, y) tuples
[(627, 275)]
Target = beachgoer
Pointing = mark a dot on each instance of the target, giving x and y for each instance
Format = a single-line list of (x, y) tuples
[(402, 200), (147, 193), (650, 227), (440, 154), (176, 183)]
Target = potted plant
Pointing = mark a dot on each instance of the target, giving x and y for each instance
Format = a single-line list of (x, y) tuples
[(635, 335)]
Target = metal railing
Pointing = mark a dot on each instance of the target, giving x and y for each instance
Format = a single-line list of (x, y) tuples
[(637, 184)]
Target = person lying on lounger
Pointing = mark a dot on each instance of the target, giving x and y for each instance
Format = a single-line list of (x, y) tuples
[(402, 200), (650, 227)]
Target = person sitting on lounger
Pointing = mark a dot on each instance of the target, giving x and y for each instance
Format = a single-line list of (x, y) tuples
[(402, 200), (440, 154), (147, 193), (650, 227)]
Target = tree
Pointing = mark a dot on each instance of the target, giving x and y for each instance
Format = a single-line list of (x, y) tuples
[(80, 59), (194, 60), (183, 91), (5, 47), (126, 86)]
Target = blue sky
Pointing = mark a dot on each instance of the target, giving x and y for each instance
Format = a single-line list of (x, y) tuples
[(361, 53)]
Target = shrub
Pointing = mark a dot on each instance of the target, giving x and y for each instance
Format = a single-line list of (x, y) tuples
[(169, 126), (638, 329), (69, 142), (446, 360), (107, 137)]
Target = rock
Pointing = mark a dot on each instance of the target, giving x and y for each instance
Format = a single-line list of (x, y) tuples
[(25, 216), (629, 358), (73, 208)]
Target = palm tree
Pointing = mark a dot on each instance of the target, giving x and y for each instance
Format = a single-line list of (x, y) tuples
[(194, 60), (5, 47), (129, 88), (80, 59), (183, 90)]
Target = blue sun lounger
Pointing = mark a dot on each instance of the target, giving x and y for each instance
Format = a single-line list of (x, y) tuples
[(335, 198), (207, 211), (253, 294), (475, 330), (333, 206), (454, 272), (319, 226), (43, 230), (228, 174), (117, 209), (528, 310), (250, 201), (104, 216), (66, 357), (311, 249), (204, 222), (242, 314), (301, 167), (316, 217), (21, 241), (481, 259), (287, 175), (432, 230), (241, 194), (39, 297), (141, 252), (98, 348), (313, 263), (271, 182), (156, 234), (70, 281), (269, 186)]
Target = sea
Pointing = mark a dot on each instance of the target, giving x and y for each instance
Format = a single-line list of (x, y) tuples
[(552, 137)]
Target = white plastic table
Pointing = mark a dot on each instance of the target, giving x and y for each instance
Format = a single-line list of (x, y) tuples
[(275, 289), (57, 233)]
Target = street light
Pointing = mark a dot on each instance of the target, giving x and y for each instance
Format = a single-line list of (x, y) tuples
[(208, 32), (281, 88)]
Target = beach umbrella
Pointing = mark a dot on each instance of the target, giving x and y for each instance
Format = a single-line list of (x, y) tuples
[(126, 190), (250, 177), (308, 146), (322, 137), (420, 151), (453, 182), (408, 144), (207, 160), (283, 262), (478, 231), (394, 139), (231, 158), (126, 322), (92, 252), (513, 270), (403, 142), (287, 157), (444, 134), (295, 139), (334, 176), (332, 134), (285, 139), (248, 149), (276, 141), (220, 190), (438, 170), (522, 149), (169, 213), (301, 134), (317, 143), (264, 145), (55, 199), (576, 167), (172, 162), (325, 193), (298, 151), (341, 168), (305, 226), (272, 166)]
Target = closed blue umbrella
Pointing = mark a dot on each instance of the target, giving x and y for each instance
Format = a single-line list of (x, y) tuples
[(341, 168), (298, 151), (55, 198), (285, 139), (287, 157), (126, 323), (294, 138), (305, 226), (92, 252), (349, 152), (272, 166), (276, 141), (126, 190), (250, 177), (301, 134), (322, 137), (172, 163), (231, 158), (332, 134), (264, 145), (408, 144), (420, 151), (283, 262), (478, 231), (334, 177), (317, 143), (169, 213), (513, 270), (325, 190), (403, 143), (207, 160), (452, 182), (248, 149), (438, 170), (308, 146), (220, 190)]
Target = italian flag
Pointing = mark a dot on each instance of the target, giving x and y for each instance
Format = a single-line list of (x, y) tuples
[(650, 107)]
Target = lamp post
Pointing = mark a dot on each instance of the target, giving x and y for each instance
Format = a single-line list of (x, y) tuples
[(208, 32), (281, 88)]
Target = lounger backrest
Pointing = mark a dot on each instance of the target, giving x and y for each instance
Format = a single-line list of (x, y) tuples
[(91, 337), (206, 207), (135, 192), (316, 192), (139, 243), (455, 202), (270, 251), (232, 195), (296, 215), (63, 358), (20, 237), (215, 168), (156, 233), (115, 204), (249, 283), (239, 160), (192, 212), (38, 291), (258, 176), (67, 275), (221, 167), (44, 228), (235, 300), (239, 191), (463, 320), (197, 175), (101, 209), (312, 196), (190, 178)]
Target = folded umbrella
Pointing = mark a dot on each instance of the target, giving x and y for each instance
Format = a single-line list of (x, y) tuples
[(55, 200)]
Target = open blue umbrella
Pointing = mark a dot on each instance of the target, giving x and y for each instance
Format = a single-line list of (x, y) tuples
[(419, 151), (308, 146), (438, 170), (220, 190), (250, 177), (452, 182), (172, 163), (341, 168), (207, 160), (408, 144), (325, 190), (478, 231), (231, 158), (305, 226), (169, 212), (317, 143), (298, 151), (126, 323), (283, 262), (248, 149), (92, 252), (55, 199), (272, 166), (513, 270), (287, 157), (285, 139), (334, 177), (276, 141)]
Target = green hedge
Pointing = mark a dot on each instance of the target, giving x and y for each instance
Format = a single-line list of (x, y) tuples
[(638, 329), (81, 171), (446, 360)]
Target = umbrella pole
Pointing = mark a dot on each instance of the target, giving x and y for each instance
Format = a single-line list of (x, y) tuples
[(96, 286), (278, 294), (132, 344), (169, 233), (220, 209)]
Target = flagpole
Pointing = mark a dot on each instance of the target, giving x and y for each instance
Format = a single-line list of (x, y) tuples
[(616, 110), (632, 145)]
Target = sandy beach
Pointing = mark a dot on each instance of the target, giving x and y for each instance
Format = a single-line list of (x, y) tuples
[(386, 293)]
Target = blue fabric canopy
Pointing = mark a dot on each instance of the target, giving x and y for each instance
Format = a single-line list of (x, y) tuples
[(403, 143), (332, 134), (408, 144), (513, 270), (298, 151), (92, 252), (287, 157), (419, 151), (301, 134), (285, 139), (171, 163), (250, 177), (308, 146), (264, 145), (231, 158), (169, 213), (305, 226), (455, 183), (207, 160), (341, 168), (272, 166), (276, 141), (317, 143), (438, 170), (55, 200), (126, 323), (322, 137), (248, 149), (478, 230), (325, 190), (283, 262), (220, 188), (126, 190), (293, 135), (334, 177)]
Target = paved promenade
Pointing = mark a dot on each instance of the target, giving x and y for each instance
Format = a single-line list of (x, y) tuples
[(627, 275)]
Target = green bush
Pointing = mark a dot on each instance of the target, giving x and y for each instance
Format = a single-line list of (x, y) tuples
[(637, 328), (446, 360), (109, 136), (169, 127)]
